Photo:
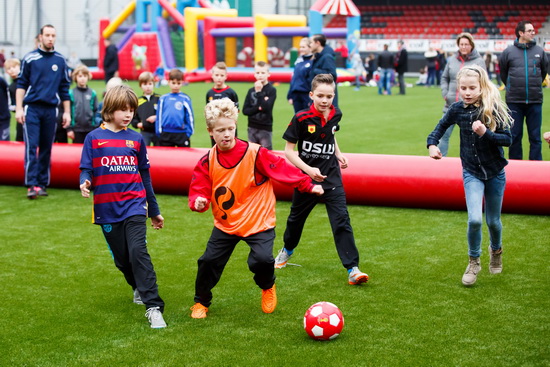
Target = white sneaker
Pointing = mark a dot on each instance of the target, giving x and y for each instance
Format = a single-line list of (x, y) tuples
[(357, 277), (137, 298), (155, 318), (470, 275), (281, 259), (495, 261)]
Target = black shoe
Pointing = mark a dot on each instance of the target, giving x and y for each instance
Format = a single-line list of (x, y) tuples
[(31, 192), (41, 191)]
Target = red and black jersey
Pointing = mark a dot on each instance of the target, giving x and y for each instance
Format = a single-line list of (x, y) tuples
[(226, 92), (315, 138)]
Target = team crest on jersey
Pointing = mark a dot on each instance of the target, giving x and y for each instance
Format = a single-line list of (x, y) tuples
[(130, 143), (311, 129), (178, 106), (54, 67)]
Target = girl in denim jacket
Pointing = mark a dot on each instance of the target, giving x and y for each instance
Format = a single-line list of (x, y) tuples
[(484, 123)]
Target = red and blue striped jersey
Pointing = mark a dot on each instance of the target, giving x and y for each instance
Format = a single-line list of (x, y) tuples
[(115, 159)]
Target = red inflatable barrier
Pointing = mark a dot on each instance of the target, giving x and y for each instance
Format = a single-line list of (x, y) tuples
[(384, 180)]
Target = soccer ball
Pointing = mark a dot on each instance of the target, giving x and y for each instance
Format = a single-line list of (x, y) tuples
[(323, 321)]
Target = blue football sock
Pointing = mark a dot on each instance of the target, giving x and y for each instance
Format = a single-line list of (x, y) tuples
[(289, 252)]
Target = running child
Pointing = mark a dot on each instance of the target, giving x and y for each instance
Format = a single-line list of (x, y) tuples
[(115, 165), (484, 123), (313, 132), (235, 177)]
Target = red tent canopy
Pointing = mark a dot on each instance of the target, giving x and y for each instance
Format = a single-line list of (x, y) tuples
[(336, 7)]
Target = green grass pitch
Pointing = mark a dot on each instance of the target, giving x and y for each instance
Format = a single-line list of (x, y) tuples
[(65, 303)]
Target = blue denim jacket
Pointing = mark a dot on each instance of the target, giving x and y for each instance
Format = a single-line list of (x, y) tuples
[(482, 156)]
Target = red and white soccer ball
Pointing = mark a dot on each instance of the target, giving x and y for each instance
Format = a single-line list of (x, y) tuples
[(323, 321)]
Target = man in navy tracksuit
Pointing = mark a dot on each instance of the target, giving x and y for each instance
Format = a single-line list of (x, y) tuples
[(43, 82), (523, 68), (323, 61)]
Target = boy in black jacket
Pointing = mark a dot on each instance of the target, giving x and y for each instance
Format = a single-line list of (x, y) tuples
[(258, 106), (146, 113)]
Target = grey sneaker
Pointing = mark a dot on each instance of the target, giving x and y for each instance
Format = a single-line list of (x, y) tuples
[(357, 277), (470, 275), (281, 259), (137, 298), (155, 318), (495, 261)]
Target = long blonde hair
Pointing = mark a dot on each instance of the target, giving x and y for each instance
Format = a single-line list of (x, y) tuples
[(493, 111)]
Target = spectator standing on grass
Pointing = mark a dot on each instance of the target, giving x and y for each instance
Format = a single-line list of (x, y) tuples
[(83, 106), (357, 68), (484, 125), (175, 119), (323, 61), (43, 82), (523, 68), (110, 61), (13, 67), (115, 165), (431, 63), (146, 114), (385, 63), (467, 55), (298, 91), (401, 65), (258, 106)]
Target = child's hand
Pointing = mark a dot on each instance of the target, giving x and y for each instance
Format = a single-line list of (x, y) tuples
[(290, 101), (258, 86), (200, 203), (343, 162), (157, 222), (315, 174), (151, 119), (546, 136), (85, 188), (140, 125), (479, 128), (70, 134), (317, 190), (435, 153)]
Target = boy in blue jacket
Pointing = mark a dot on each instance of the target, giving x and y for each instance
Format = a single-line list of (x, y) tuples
[(175, 122)]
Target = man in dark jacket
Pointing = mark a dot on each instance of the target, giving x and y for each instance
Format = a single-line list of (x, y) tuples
[(401, 64), (523, 67), (385, 63), (110, 61), (323, 61)]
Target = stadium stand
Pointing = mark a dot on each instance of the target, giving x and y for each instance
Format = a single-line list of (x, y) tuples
[(439, 21)]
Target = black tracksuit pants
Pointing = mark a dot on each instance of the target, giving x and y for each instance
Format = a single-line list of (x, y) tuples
[(335, 202), (219, 248), (128, 243)]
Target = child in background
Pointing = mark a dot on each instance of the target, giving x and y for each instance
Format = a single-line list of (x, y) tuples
[(83, 105), (220, 89), (236, 178), (175, 121), (113, 82), (122, 201), (159, 75), (484, 123), (146, 114), (298, 91), (313, 132), (258, 106), (5, 116), (13, 67)]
